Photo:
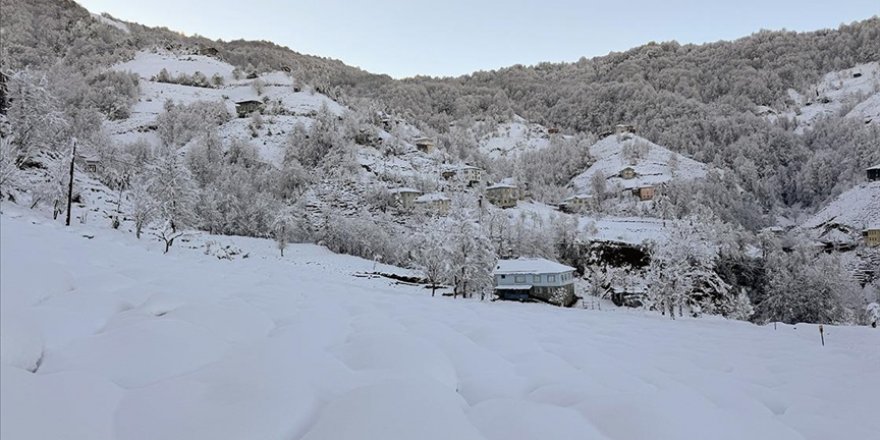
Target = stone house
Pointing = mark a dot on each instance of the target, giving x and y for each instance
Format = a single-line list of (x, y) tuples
[(425, 145), (406, 197), (874, 173), (627, 173), (872, 236), (246, 108), (644, 193), (575, 203), (436, 202), (502, 195)]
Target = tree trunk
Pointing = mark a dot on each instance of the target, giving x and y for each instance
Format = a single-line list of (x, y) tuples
[(70, 184)]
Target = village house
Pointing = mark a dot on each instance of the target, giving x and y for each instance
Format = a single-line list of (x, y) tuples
[(209, 51), (468, 174), (644, 193), (90, 162), (471, 174), (502, 195), (425, 145), (575, 203), (246, 108), (627, 173), (436, 202), (535, 278), (872, 236), (624, 128), (874, 173), (405, 197)]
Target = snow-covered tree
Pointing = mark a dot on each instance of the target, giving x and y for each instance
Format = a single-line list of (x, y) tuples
[(282, 227), (471, 258), (172, 188), (431, 255), (143, 207)]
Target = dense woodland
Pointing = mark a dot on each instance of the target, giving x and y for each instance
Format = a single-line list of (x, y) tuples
[(697, 100)]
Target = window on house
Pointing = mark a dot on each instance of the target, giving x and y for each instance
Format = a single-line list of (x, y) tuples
[(537, 278), (520, 279), (551, 278)]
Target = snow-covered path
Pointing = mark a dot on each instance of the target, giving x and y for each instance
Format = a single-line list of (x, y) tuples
[(128, 343)]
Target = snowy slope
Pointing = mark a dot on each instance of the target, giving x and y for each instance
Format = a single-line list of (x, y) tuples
[(854, 93), (847, 215), (299, 106), (654, 166), (510, 139), (127, 343), (629, 230)]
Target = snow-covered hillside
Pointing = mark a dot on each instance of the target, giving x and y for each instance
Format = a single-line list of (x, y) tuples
[(513, 138), (843, 220), (106, 338), (854, 93), (277, 87), (652, 164)]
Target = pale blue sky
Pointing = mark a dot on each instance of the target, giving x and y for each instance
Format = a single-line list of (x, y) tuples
[(452, 37)]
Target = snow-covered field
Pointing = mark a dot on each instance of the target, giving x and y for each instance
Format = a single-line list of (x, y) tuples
[(106, 338)]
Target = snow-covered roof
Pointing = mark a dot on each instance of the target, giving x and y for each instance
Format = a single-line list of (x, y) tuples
[(577, 197), (501, 185), (405, 190), (530, 265), (514, 287), (433, 197), (469, 167), (875, 167)]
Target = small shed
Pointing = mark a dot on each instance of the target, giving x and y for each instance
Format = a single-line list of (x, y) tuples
[(502, 195), (627, 173), (535, 278), (90, 162), (246, 108), (873, 173), (872, 236), (406, 197), (209, 51), (434, 202), (425, 145)]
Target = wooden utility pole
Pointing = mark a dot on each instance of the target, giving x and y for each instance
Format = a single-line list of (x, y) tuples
[(70, 183)]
